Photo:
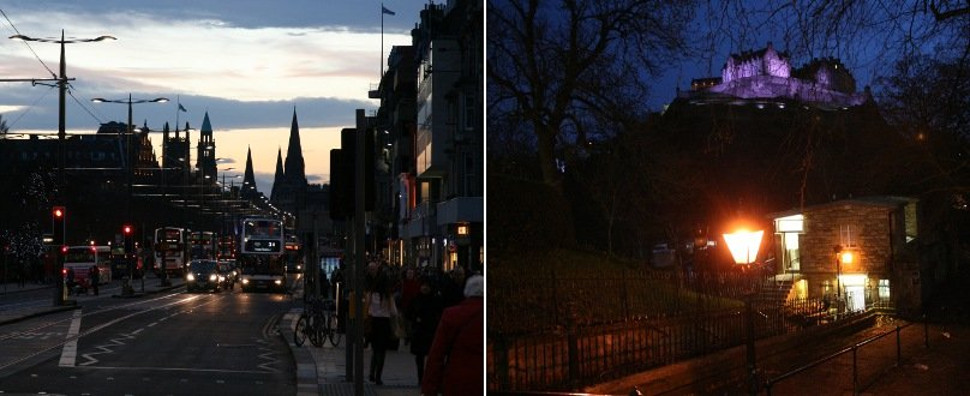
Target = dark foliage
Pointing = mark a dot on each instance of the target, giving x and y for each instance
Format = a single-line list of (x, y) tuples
[(529, 216)]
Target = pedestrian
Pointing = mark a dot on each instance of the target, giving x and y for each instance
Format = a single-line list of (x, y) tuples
[(423, 314), (324, 285), (94, 275), (454, 365), (452, 286), (381, 309), (69, 280)]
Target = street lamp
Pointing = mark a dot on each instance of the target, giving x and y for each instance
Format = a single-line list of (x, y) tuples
[(744, 246), (842, 256), (61, 134), (129, 161)]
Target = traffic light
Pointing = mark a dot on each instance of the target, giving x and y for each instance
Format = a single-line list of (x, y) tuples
[(58, 223), (126, 229)]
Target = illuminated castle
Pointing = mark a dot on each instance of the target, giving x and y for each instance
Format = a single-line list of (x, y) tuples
[(767, 74)]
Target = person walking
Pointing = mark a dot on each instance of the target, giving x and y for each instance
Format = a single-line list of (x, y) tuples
[(382, 309), (94, 274), (454, 365), (423, 314), (452, 286), (69, 280)]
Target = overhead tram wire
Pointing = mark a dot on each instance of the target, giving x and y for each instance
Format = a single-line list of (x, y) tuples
[(27, 44), (29, 108)]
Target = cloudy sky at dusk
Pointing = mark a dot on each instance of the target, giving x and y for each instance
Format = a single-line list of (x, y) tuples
[(249, 63)]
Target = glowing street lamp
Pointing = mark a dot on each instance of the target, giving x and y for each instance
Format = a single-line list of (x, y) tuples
[(744, 246), (842, 256)]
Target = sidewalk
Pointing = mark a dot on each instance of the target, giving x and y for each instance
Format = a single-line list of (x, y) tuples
[(322, 371)]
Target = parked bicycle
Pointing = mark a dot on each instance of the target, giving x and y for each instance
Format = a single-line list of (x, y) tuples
[(318, 322)]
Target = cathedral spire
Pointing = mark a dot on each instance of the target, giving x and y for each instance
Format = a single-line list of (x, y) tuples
[(278, 180), (295, 168), (249, 181)]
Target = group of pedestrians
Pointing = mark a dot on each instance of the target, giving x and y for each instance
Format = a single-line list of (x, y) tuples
[(439, 316)]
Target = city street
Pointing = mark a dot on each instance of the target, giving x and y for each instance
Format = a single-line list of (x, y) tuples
[(160, 342)]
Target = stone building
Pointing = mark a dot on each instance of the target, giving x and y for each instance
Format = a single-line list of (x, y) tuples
[(863, 251)]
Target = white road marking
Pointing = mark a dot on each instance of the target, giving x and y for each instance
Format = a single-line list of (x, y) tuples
[(69, 352)]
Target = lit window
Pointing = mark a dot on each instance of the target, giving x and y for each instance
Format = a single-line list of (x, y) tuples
[(884, 289)]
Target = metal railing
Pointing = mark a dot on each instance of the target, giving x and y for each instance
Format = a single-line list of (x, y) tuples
[(854, 350)]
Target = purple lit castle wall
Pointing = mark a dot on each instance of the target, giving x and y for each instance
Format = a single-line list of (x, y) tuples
[(767, 74), (766, 62)]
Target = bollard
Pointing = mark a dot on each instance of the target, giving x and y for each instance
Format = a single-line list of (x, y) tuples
[(899, 348)]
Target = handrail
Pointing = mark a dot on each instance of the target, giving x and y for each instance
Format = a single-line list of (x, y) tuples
[(769, 383)]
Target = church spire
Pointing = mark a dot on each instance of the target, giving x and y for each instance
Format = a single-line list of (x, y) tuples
[(278, 180), (249, 181), (295, 168)]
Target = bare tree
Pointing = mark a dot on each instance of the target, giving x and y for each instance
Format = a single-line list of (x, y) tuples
[(557, 65)]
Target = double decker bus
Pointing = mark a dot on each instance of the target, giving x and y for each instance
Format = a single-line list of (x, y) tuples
[(227, 247), (171, 250), (203, 245), (261, 255)]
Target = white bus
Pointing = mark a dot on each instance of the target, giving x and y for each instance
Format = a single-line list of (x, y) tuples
[(171, 250), (80, 259), (261, 255)]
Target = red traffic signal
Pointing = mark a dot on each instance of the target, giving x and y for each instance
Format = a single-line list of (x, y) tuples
[(64, 249), (126, 230), (59, 212)]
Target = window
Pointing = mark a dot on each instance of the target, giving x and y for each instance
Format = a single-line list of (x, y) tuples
[(884, 289)]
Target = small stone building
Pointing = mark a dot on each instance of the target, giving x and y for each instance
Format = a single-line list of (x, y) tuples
[(861, 251)]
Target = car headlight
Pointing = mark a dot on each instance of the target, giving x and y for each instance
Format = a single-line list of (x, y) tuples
[(222, 278), (190, 277), (213, 277), (278, 282), (245, 281)]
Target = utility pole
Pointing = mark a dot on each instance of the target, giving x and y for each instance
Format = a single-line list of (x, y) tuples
[(359, 248), (61, 136)]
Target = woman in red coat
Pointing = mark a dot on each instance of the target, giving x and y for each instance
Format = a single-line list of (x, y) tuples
[(455, 362)]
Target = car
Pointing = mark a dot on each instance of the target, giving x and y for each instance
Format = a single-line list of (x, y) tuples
[(204, 275), (228, 268)]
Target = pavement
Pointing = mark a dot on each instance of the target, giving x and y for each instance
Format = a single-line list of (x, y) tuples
[(926, 358), (319, 370), (323, 370)]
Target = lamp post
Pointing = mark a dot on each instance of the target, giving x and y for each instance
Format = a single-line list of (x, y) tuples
[(61, 135), (842, 256), (744, 246), (128, 157)]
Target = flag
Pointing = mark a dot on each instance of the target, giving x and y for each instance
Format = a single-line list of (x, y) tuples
[(182, 108), (386, 11)]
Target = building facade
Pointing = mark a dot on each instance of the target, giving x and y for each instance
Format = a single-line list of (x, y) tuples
[(430, 130)]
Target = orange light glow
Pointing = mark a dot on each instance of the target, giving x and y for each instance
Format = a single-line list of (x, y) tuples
[(744, 245)]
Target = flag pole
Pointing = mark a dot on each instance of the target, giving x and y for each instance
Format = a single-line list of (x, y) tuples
[(381, 75), (178, 109)]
